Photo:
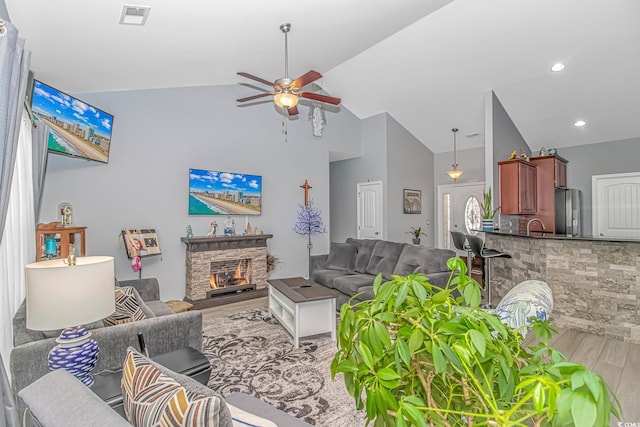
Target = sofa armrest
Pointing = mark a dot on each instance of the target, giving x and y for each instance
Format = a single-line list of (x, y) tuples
[(162, 334), (317, 261), (149, 288), (59, 399)]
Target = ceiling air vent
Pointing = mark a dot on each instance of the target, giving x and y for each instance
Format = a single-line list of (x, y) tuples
[(134, 15)]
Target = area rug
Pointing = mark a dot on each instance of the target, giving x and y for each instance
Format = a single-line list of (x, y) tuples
[(252, 353)]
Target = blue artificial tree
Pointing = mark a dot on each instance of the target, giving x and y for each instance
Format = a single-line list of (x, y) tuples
[(309, 223)]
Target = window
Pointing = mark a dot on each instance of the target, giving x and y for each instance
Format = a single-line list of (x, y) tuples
[(472, 216)]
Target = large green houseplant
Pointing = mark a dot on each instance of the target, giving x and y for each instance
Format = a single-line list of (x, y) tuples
[(417, 355)]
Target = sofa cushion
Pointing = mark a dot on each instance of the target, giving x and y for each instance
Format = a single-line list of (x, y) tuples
[(366, 293), (342, 256), (150, 397), (160, 308), (365, 247), (350, 284), (128, 307), (417, 259), (325, 276), (384, 258)]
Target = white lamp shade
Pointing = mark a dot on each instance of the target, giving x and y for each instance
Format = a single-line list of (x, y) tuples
[(285, 100), (60, 295)]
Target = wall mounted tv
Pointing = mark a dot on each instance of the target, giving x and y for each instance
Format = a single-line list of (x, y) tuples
[(224, 193), (77, 129)]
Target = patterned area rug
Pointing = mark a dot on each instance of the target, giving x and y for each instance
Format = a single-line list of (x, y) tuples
[(252, 353)]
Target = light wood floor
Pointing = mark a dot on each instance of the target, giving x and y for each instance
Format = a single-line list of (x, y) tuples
[(615, 361)]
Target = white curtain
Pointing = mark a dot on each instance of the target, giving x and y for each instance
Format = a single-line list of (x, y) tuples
[(17, 247)]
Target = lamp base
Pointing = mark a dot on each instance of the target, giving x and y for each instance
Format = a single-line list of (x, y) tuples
[(76, 353)]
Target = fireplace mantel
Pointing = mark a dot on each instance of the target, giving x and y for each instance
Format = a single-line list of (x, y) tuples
[(218, 243), (202, 252)]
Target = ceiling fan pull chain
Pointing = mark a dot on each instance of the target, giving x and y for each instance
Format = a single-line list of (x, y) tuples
[(284, 131)]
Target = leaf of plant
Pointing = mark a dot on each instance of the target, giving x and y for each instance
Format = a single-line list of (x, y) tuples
[(387, 374), (415, 416), (382, 334), (538, 398), (400, 422), (583, 410), (420, 291), (478, 341), (389, 399), (577, 380), (439, 362), (365, 353), (376, 283), (440, 297), (402, 294), (415, 340), (593, 384), (453, 358), (403, 351)]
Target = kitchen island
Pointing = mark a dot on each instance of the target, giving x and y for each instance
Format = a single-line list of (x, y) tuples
[(595, 281)]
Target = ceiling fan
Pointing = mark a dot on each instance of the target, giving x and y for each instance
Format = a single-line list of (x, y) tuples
[(287, 91)]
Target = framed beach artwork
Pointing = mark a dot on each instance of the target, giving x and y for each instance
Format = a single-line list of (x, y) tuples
[(412, 201), (141, 242)]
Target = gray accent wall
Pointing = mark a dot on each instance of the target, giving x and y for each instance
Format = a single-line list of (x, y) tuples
[(470, 161), (157, 136), (506, 138), (602, 158), (3, 11), (394, 156), (410, 166)]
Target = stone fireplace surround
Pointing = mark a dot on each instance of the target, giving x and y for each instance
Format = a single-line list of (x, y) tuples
[(202, 251)]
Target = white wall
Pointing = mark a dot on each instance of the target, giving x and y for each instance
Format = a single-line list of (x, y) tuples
[(157, 136)]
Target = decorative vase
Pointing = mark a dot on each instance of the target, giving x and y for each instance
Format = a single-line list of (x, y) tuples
[(416, 241), (487, 224)]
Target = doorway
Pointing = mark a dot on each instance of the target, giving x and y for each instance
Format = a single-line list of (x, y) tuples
[(615, 205), (369, 210), (458, 210)]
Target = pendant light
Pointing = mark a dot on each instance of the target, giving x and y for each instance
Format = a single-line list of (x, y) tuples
[(454, 173)]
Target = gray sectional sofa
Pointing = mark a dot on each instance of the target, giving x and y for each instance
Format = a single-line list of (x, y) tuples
[(350, 268)]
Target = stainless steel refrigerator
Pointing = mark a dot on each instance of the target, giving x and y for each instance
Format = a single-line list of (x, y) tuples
[(568, 212)]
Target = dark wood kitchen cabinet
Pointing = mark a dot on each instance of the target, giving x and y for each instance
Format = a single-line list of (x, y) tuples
[(518, 184), (551, 174)]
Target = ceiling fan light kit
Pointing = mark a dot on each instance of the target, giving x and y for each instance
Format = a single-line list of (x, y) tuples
[(287, 92)]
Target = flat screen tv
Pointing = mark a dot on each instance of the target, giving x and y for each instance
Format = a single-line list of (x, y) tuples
[(224, 193), (77, 128)]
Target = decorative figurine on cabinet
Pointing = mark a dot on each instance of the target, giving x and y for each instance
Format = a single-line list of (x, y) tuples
[(213, 230)]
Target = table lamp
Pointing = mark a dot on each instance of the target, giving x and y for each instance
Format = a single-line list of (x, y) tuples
[(60, 295)]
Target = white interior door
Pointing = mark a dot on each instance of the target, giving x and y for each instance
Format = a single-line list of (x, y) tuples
[(458, 210), (369, 210), (616, 205)]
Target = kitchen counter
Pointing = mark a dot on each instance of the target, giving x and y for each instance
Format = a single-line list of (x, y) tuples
[(553, 236), (595, 281)]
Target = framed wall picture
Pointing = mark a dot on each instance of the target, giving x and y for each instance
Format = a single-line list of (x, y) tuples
[(412, 201), (141, 242)]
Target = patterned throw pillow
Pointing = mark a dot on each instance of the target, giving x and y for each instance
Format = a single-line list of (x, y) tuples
[(127, 308), (151, 398), (531, 298)]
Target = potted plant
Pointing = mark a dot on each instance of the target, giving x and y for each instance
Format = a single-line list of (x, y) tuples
[(417, 355), (487, 211), (416, 233), (272, 262)]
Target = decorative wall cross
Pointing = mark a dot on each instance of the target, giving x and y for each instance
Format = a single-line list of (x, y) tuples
[(306, 187)]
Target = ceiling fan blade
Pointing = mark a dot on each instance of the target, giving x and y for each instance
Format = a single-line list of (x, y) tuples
[(293, 111), (249, 98), (320, 97), (258, 79), (305, 79)]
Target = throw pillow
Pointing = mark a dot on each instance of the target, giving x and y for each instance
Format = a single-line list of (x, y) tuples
[(531, 298), (127, 308), (342, 256), (151, 398)]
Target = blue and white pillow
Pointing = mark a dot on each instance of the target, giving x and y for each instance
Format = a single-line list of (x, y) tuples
[(531, 298)]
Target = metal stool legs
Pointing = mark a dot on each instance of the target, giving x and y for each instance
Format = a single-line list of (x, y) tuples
[(477, 246), (460, 243)]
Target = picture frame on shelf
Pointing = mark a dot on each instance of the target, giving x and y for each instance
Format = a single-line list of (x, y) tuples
[(412, 201)]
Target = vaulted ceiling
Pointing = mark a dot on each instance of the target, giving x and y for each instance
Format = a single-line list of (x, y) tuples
[(428, 63)]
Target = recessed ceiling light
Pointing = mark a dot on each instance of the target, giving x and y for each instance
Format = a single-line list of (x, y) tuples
[(579, 123), (134, 15), (558, 66)]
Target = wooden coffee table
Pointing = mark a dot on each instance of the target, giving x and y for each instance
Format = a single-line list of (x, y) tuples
[(303, 307)]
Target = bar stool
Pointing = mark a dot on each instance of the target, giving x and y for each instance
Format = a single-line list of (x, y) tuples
[(460, 243), (477, 246)]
